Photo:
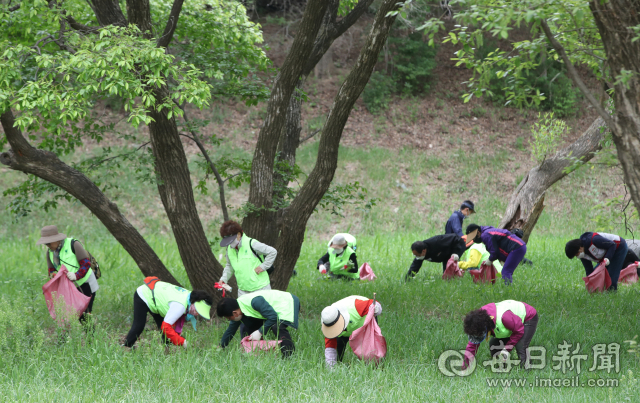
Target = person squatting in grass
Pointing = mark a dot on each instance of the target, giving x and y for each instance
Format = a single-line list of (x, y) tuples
[(340, 261), (340, 320), (475, 255), (511, 324), (261, 312), (70, 253), (439, 249), (170, 306), (454, 223), (599, 247), (502, 245), (243, 261)]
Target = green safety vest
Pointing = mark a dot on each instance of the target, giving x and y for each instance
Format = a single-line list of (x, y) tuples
[(516, 307), (485, 255), (280, 301), (244, 263), (336, 263), (164, 293), (69, 259), (355, 320)]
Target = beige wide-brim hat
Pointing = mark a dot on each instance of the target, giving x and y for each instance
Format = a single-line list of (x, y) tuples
[(50, 234), (332, 322)]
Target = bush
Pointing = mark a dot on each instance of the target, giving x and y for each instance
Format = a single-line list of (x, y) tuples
[(413, 62), (561, 97), (377, 92)]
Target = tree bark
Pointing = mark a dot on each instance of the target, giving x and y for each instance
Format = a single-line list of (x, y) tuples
[(295, 217), (108, 12), (527, 201), (176, 193), (615, 20), (46, 165), (260, 224)]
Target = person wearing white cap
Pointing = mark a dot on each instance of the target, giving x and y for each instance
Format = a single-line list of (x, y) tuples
[(244, 260), (340, 259), (340, 320), (70, 253), (261, 312), (170, 306)]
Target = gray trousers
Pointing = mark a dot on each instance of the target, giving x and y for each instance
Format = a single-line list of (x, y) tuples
[(495, 344)]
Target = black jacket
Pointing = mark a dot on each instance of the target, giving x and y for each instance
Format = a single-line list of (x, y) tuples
[(439, 249)]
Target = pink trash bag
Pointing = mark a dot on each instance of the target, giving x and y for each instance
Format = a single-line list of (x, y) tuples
[(63, 296), (260, 345), (368, 343), (630, 274), (599, 280), (486, 274), (366, 273), (452, 270)]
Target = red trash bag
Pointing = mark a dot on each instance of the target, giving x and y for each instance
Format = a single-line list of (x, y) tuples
[(599, 280), (260, 345), (368, 343), (630, 274), (486, 274), (452, 270), (63, 296), (366, 273)]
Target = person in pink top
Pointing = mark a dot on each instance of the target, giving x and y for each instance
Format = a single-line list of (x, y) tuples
[(511, 325)]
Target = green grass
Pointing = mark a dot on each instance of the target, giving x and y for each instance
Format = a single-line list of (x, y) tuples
[(420, 319)]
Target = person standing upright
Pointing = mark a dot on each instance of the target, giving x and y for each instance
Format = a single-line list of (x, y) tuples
[(454, 223), (243, 260)]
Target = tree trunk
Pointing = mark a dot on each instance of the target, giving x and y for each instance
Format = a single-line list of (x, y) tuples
[(261, 222), (527, 201), (46, 165), (295, 217), (616, 20), (176, 192)]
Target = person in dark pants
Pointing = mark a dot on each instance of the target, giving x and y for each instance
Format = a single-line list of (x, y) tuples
[(70, 253), (439, 249), (511, 325), (340, 320), (262, 312), (170, 306), (520, 234), (502, 245), (454, 223), (599, 247)]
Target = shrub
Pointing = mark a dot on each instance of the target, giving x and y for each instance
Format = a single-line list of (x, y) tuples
[(413, 62), (377, 92), (547, 136)]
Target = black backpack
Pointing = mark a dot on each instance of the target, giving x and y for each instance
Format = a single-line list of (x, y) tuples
[(261, 259), (94, 263)]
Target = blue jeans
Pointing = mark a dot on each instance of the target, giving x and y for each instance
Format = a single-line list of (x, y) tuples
[(615, 265)]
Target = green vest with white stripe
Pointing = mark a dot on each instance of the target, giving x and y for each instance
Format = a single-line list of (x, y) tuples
[(244, 263), (337, 263), (280, 301), (69, 259), (165, 293), (355, 320), (516, 307)]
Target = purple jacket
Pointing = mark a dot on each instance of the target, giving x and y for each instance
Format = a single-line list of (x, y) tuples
[(499, 242)]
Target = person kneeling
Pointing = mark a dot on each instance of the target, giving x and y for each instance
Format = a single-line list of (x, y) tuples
[(170, 306), (340, 320), (261, 312), (511, 324)]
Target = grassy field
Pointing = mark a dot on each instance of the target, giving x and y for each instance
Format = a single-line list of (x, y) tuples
[(420, 319)]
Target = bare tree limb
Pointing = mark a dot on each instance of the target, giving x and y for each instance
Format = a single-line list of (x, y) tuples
[(47, 166), (573, 73), (172, 23)]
